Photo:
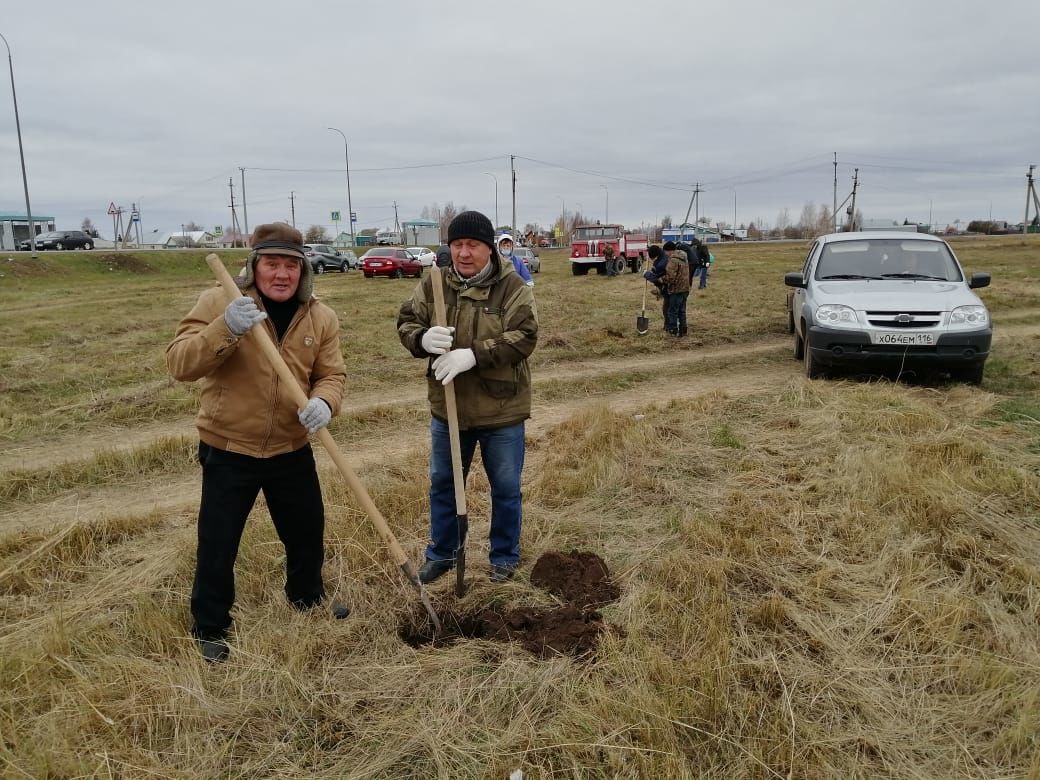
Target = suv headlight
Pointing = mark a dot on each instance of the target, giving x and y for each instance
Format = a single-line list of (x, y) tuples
[(969, 317), (834, 315)]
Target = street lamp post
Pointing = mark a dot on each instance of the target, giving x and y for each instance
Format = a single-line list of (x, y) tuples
[(606, 210), (350, 208), (21, 152), (496, 196), (563, 219)]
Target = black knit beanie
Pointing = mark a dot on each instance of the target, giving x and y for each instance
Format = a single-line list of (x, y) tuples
[(472, 224), (668, 246)]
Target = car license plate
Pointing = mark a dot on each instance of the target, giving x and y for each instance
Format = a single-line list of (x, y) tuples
[(904, 339), (375, 264)]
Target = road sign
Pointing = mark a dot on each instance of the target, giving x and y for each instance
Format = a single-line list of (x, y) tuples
[(112, 208), (135, 217), (335, 216), (218, 231), (353, 216)]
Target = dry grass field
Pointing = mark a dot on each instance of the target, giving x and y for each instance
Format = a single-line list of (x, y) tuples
[(835, 578)]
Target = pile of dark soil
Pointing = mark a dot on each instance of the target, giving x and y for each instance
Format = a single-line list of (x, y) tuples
[(582, 579)]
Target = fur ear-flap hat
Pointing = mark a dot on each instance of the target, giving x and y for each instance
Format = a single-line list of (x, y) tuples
[(278, 238)]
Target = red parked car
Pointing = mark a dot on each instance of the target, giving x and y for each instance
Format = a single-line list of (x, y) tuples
[(390, 261)]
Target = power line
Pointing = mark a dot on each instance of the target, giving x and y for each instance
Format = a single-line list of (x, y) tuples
[(378, 170)]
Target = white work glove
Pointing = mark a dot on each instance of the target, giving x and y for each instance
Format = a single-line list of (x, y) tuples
[(315, 415), (437, 340), (450, 365), (242, 314)]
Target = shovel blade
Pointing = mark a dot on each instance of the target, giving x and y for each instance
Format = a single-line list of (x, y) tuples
[(642, 325)]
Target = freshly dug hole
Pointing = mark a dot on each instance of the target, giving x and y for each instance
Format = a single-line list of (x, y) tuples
[(581, 579), (542, 632)]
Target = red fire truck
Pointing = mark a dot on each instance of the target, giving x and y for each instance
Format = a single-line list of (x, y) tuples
[(607, 248)]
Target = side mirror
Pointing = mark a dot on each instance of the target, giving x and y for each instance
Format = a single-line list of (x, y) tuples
[(978, 280), (794, 279)]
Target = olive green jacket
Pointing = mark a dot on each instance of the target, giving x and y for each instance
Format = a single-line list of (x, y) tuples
[(499, 322)]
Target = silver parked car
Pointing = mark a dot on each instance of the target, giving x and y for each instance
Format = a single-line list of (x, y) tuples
[(530, 259), (888, 300), (323, 257)]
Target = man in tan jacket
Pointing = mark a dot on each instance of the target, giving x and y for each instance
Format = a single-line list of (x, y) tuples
[(252, 437)]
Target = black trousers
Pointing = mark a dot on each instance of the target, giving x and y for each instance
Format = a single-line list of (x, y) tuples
[(230, 484)]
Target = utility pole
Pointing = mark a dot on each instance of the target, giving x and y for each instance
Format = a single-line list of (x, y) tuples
[(245, 213), (234, 216), (1030, 191), (292, 206), (834, 205), (21, 153), (512, 171), (397, 225), (697, 203), (852, 208)]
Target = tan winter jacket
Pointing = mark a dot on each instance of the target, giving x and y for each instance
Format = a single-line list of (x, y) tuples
[(242, 408), (499, 322)]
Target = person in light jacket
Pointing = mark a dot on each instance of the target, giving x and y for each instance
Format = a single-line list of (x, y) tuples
[(252, 437)]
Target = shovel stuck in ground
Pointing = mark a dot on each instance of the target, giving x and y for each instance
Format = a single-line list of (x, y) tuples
[(263, 340), (642, 323), (440, 317)]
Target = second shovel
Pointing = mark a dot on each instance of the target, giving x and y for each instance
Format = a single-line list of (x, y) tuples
[(440, 317)]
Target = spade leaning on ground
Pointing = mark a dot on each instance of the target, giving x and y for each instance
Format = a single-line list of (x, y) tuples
[(492, 330), (250, 439)]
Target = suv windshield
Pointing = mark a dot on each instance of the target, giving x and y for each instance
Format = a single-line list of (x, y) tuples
[(887, 259)]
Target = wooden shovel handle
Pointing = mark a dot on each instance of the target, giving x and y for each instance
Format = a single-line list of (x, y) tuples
[(440, 317), (262, 339)]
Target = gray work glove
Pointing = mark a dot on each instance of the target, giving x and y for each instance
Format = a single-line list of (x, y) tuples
[(437, 340), (315, 415), (451, 364), (242, 314)]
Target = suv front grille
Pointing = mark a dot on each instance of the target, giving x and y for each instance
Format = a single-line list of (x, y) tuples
[(904, 319)]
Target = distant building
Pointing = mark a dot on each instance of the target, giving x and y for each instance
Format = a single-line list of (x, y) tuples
[(687, 233), (178, 240), (421, 232), (15, 228)]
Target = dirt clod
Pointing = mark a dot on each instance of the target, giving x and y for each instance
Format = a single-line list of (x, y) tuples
[(580, 578)]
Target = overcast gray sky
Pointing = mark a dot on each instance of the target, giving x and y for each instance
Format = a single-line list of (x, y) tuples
[(628, 102)]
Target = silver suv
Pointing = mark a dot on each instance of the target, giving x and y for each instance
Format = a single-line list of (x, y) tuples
[(887, 300)]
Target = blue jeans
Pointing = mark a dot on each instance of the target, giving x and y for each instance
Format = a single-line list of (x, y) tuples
[(703, 272), (502, 452), (675, 319)]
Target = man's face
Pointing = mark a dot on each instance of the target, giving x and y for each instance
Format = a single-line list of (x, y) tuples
[(505, 247), (278, 276), (469, 256)]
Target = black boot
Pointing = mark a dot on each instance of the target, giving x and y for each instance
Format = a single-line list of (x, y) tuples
[(433, 570), (215, 651)]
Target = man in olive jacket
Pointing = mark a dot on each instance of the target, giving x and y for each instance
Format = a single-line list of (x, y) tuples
[(252, 437), (492, 330)]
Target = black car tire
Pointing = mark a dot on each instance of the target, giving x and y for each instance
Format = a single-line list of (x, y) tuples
[(799, 346), (343, 267), (88, 245), (813, 370), (319, 268), (398, 274), (971, 375), (59, 246)]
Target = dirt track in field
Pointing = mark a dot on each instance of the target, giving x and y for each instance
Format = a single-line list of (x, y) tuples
[(180, 490), (710, 370)]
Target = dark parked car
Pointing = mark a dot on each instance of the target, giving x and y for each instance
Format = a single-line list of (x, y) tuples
[(390, 261), (60, 239), (323, 258)]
